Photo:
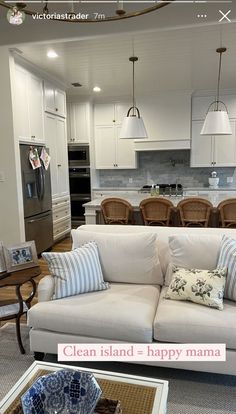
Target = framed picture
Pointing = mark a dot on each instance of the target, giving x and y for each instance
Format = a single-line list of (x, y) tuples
[(2, 259), (21, 257)]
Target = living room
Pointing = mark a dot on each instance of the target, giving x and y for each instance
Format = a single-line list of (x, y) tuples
[(172, 83)]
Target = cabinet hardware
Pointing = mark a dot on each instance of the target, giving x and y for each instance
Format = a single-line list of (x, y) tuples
[(56, 109), (113, 120), (33, 136), (59, 165)]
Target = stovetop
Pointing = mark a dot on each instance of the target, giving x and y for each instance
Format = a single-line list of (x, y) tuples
[(164, 189)]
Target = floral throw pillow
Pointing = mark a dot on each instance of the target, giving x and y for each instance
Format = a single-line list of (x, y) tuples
[(205, 287)]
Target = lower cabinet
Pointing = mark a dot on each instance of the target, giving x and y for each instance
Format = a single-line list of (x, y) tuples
[(61, 217)]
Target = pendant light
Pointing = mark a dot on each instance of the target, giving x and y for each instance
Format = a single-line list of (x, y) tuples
[(217, 118), (133, 126)]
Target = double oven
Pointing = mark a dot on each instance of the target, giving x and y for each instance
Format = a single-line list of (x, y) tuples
[(79, 177)]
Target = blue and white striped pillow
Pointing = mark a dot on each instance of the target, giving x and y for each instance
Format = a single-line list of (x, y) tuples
[(75, 272), (227, 258)]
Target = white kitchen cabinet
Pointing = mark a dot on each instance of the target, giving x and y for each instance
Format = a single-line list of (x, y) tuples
[(216, 151), (78, 122), (61, 217), (111, 152), (54, 100), (28, 107), (36, 108), (200, 105), (109, 114), (55, 134)]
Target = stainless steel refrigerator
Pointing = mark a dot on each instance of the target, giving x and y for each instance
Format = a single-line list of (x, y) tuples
[(37, 201)]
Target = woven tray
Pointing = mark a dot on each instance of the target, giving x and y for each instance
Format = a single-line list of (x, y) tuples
[(133, 398)]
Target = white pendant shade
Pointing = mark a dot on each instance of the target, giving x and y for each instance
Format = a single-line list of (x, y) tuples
[(216, 123), (133, 128)]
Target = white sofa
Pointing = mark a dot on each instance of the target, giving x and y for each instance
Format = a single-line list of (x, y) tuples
[(133, 312)]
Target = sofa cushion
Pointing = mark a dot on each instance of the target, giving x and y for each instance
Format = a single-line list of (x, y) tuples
[(125, 312), (75, 272), (205, 287), (227, 258), (186, 322), (128, 258), (193, 252), (163, 233)]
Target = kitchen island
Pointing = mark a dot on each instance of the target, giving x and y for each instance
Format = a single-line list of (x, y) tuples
[(93, 208)]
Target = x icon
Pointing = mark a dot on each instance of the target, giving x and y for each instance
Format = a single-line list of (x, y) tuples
[(225, 16)]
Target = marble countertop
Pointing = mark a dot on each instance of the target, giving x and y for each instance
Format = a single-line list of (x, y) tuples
[(125, 189), (135, 199)]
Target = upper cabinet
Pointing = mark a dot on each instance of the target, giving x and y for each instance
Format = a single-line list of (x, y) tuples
[(200, 105), (54, 100), (216, 151), (28, 106), (110, 114), (212, 151), (111, 152), (78, 122)]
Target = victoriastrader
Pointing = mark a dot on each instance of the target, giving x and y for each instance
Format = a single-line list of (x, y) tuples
[(55, 16)]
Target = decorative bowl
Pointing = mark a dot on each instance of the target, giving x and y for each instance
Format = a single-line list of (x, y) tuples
[(62, 392)]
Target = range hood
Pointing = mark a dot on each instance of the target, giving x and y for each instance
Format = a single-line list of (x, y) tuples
[(161, 145)]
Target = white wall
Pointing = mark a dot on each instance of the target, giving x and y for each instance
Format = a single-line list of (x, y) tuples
[(9, 214)]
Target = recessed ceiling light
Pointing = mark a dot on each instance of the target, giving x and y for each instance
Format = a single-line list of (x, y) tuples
[(96, 89), (52, 54)]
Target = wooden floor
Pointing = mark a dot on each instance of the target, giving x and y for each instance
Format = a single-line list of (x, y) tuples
[(9, 292)]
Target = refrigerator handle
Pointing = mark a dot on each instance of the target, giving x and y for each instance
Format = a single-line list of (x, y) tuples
[(42, 185), (38, 183)]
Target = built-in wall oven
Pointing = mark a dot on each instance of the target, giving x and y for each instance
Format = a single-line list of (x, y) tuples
[(80, 185)]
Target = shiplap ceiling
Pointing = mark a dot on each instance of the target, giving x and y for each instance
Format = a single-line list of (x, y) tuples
[(177, 59)]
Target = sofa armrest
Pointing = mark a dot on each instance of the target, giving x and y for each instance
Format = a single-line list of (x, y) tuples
[(45, 289)]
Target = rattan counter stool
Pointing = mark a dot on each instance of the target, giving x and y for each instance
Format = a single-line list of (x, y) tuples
[(227, 212), (156, 211), (117, 211), (195, 212)]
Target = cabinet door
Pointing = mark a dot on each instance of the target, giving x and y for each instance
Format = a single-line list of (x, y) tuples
[(79, 123), (21, 109), (49, 97), (125, 154), (105, 147), (51, 142), (62, 158), (36, 108), (201, 147), (200, 105), (225, 149), (60, 103), (104, 114), (121, 112)]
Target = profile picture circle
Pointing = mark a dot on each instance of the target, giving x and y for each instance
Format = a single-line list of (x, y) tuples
[(15, 16)]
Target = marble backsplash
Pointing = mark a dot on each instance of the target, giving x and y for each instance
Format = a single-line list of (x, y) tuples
[(165, 167)]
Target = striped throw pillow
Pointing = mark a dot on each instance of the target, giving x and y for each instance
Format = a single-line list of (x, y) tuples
[(227, 258), (75, 272)]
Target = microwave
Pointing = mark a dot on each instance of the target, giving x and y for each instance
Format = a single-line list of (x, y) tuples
[(78, 155)]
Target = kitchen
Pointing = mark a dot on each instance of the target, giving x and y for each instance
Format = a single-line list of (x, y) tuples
[(172, 99)]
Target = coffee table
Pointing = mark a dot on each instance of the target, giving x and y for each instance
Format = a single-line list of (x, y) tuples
[(138, 395)]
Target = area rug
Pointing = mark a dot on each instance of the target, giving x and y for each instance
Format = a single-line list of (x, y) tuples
[(12, 363), (189, 392)]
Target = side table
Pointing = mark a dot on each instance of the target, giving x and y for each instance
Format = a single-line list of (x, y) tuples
[(18, 279)]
